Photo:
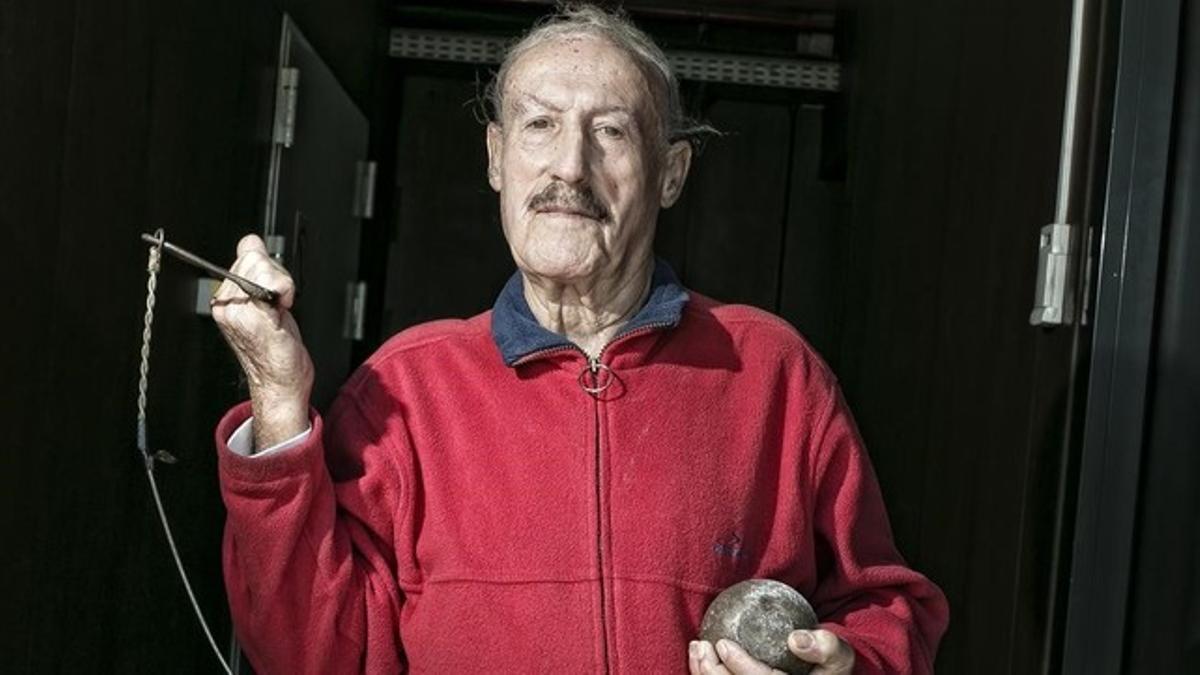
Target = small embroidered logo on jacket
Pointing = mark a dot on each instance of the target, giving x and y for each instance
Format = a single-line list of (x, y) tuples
[(729, 547)]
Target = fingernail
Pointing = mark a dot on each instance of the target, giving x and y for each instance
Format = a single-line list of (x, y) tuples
[(693, 649), (801, 639), (723, 649)]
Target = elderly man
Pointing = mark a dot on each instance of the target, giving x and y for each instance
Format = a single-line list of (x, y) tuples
[(564, 483)]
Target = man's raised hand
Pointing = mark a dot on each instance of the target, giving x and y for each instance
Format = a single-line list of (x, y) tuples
[(266, 341)]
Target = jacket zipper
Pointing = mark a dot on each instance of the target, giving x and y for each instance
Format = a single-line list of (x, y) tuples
[(532, 356), (594, 363)]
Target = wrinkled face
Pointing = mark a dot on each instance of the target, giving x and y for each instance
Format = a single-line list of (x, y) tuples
[(579, 160)]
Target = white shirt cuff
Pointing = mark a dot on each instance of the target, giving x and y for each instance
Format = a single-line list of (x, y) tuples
[(241, 442)]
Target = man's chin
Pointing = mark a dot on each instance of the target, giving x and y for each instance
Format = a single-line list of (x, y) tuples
[(560, 268)]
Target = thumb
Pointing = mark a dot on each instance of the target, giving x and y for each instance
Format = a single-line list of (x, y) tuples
[(823, 648)]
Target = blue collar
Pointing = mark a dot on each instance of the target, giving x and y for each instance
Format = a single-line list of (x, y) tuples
[(518, 334)]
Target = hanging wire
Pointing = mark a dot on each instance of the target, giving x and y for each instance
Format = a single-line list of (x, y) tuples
[(152, 267)]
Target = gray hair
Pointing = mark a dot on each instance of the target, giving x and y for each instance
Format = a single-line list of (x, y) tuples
[(571, 19)]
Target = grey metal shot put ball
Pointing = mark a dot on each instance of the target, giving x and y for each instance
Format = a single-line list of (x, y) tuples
[(759, 614)]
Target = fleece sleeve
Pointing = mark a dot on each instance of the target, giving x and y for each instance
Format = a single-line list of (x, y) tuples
[(310, 564), (892, 616)]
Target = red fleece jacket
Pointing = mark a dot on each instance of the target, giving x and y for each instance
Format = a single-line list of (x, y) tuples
[(452, 514)]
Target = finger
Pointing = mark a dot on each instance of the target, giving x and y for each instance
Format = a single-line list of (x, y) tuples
[(253, 263), (824, 648), (232, 308), (694, 658), (248, 324), (227, 293), (739, 661), (251, 242), (709, 662), (251, 260), (268, 273)]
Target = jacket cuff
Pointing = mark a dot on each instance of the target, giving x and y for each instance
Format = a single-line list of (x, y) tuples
[(256, 468), (866, 660)]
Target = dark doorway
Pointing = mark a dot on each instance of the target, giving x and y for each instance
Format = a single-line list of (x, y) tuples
[(894, 222)]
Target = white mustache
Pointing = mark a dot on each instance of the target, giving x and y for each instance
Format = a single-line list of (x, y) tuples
[(558, 196)]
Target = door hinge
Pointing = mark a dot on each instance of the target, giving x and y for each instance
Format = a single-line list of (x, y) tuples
[(356, 309), (1053, 299), (364, 189), (276, 247), (286, 93), (206, 288)]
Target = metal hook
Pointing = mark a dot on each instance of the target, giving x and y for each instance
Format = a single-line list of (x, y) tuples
[(252, 289)]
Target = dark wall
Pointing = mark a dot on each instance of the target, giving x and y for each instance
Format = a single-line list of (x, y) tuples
[(446, 255), (956, 111), (114, 120)]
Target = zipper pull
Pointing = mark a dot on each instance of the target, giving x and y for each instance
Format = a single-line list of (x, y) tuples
[(594, 367)]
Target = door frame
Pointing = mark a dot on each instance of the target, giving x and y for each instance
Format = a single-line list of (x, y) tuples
[(1126, 274)]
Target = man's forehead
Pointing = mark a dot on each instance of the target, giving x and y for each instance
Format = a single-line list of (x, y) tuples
[(587, 56), (552, 74)]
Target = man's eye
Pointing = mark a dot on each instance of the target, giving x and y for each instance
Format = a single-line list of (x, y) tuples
[(611, 132), (538, 123)]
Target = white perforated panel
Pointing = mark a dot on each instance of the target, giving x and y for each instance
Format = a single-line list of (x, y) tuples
[(441, 46), (409, 43), (755, 70)]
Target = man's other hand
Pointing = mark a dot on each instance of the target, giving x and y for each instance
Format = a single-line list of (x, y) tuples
[(266, 341), (829, 653)]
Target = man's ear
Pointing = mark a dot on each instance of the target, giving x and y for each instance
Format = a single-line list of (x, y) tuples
[(495, 147), (679, 160)]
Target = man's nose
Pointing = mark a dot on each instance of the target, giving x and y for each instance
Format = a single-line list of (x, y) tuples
[(572, 153)]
